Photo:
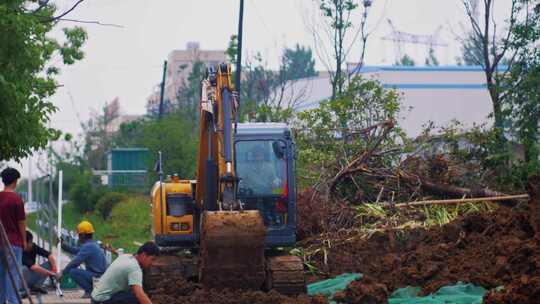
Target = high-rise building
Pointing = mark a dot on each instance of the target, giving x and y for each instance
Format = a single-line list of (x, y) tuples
[(179, 66)]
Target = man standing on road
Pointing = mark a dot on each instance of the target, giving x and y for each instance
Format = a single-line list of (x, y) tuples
[(13, 219), (35, 274), (89, 254), (123, 280)]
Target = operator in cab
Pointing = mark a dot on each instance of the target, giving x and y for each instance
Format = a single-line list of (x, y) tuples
[(262, 172), (258, 170), (91, 255), (123, 280)]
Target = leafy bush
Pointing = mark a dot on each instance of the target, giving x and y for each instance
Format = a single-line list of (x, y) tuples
[(107, 202), (79, 194), (330, 137), (84, 194)]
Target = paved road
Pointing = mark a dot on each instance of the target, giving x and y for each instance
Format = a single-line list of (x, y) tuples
[(70, 296)]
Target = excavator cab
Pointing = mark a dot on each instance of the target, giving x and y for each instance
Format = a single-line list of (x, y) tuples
[(265, 166)]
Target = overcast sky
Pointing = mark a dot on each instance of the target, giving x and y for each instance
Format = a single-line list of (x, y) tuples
[(127, 61)]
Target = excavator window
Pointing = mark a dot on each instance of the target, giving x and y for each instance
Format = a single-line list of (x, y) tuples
[(262, 167), (179, 204)]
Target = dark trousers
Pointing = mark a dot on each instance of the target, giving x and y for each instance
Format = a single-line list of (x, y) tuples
[(123, 297), (83, 278), (35, 279)]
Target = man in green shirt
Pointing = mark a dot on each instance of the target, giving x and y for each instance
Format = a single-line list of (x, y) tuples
[(123, 280)]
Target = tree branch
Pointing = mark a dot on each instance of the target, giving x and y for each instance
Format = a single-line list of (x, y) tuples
[(92, 22), (52, 19)]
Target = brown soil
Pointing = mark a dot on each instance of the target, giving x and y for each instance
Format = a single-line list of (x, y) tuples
[(501, 248), (181, 292), (492, 249)]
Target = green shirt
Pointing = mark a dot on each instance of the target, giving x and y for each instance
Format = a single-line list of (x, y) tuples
[(120, 276)]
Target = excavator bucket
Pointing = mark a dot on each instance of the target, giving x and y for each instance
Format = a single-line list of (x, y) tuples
[(232, 250)]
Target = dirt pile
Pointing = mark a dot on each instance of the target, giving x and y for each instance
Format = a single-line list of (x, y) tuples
[(316, 214), (501, 248), (181, 292)]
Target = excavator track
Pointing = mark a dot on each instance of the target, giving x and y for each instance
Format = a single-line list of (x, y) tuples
[(170, 266), (285, 274)]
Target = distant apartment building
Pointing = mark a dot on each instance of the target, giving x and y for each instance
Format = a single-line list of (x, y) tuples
[(179, 66)]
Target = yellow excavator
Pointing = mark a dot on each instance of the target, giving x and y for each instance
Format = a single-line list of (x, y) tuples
[(228, 228)]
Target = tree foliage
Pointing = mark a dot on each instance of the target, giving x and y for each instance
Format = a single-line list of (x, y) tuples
[(406, 60), (174, 136), (522, 107), (329, 136), (431, 60), (27, 75), (486, 45), (98, 136), (187, 97), (268, 95), (338, 16)]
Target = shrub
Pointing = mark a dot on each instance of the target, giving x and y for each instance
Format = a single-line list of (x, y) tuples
[(107, 202), (79, 194)]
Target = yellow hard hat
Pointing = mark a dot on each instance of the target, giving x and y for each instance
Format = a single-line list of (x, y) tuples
[(85, 227)]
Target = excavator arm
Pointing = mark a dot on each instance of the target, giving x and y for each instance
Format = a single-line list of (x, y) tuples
[(231, 239)]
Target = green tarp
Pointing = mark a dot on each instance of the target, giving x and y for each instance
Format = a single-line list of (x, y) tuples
[(331, 286), (456, 294), (459, 293)]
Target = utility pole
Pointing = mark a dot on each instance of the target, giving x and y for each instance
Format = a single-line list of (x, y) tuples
[(162, 89), (239, 60), (30, 198)]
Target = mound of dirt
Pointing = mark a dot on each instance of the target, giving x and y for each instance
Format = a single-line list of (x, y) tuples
[(499, 251), (501, 248), (181, 292)]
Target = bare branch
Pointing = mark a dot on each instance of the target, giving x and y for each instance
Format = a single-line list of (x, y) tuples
[(52, 19), (92, 22)]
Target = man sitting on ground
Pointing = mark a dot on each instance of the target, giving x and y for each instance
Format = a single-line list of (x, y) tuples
[(123, 280), (35, 274), (89, 254)]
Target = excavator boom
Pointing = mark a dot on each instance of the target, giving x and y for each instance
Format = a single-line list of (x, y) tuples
[(232, 240)]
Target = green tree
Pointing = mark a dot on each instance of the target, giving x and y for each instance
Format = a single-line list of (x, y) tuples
[(522, 106), (338, 17), (286, 92), (486, 45), (432, 60), (27, 74), (258, 83), (297, 63), (97, 135), (331, 136), (188, 95), (406, 60), (172, 135), (232, 49)]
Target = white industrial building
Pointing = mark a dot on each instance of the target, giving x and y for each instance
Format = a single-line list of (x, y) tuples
[(434, 93)]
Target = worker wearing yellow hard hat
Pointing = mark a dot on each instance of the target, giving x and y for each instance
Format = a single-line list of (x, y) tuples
[(91, 255), (85, 227)]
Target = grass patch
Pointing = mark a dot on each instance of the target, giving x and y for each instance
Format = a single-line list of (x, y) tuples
[(129, 221)]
